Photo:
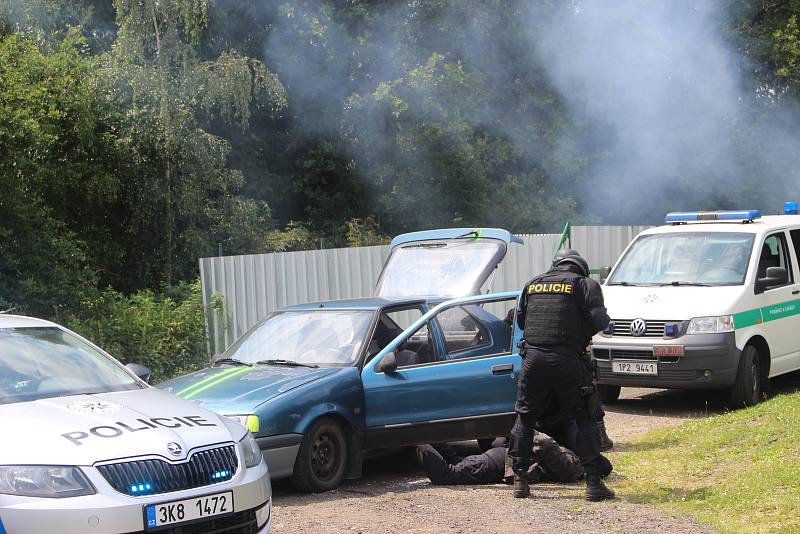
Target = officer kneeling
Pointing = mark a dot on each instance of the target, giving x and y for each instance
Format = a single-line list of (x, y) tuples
[(560, 311)]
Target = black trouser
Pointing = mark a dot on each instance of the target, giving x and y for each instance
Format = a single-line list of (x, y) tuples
[(551, 382), (443, 467)]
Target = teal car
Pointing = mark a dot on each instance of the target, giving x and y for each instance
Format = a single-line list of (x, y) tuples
[(428, 358)]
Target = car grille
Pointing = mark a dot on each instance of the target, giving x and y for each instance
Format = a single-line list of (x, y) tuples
[(622, 354), (153, 476), (238, 523), (622, 328)]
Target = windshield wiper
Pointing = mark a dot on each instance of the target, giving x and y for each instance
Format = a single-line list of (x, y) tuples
[(677, 283), (233, 361), (288, 363), (623, 283)]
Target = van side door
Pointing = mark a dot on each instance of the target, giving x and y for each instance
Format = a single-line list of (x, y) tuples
[(779, 305)]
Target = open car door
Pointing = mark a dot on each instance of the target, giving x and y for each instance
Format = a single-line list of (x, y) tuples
[(451, 375), (453, 262)]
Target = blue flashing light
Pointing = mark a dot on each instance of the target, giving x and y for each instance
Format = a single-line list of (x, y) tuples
[(221, 474), (671, 329), (141, 488), (609, 329), (790, 208), (735, 215)]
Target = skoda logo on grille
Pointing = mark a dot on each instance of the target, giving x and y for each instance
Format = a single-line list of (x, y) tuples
[(638, 327), (174, 449)]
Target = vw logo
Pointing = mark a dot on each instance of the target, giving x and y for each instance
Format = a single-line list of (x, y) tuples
[(174, 449), (638, 327)]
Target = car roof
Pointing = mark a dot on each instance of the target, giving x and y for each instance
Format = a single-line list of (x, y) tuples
[(366, 303), (764, 224), (20, 321)]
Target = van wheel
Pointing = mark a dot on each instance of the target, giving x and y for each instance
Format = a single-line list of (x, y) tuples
[(322, 457), (746, 391), (608, 394)]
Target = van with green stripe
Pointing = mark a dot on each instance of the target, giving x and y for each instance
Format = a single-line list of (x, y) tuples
[(708, 300)]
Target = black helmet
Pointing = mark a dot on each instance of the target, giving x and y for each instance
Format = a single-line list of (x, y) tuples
[(568, 255)]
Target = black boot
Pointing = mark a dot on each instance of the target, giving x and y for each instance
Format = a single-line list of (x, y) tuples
[(605, 441), (521, 487), (596, 490)]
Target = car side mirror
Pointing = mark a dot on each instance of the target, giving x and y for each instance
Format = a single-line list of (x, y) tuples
[(388, 363), (603, 272), (776, 276), (139, 370)]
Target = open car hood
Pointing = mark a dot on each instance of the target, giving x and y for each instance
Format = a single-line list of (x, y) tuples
[(453, 262)]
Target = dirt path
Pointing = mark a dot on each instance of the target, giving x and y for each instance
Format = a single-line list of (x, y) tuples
[(395, 496)]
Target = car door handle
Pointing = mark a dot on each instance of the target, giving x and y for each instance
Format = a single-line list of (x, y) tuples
[(796, 291), (503, 368)]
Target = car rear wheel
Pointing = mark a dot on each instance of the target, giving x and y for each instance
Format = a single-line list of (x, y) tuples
[(608, 394), (746, 391), (322, 457)]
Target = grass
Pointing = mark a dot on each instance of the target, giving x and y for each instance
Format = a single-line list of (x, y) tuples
[(738, 472)]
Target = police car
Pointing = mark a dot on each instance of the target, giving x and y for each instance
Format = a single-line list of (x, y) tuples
[(708, 300), (89, 447)]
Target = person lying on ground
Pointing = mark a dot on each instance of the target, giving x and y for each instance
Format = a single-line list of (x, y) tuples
[(552, 463)]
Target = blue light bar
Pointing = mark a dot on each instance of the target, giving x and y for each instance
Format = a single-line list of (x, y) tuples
[(790, 208), (687, 216)]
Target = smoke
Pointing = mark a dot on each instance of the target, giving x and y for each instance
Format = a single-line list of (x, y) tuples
[(661, 113), (666, 106)]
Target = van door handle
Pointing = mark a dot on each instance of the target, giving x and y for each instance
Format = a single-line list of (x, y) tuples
[(503, 368), (796, 291)]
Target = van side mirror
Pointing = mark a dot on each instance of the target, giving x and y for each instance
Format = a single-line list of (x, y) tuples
[(139, 370), (388, 363), (776, 276)]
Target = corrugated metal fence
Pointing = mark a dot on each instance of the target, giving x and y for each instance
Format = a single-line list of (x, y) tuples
[(240, 290)]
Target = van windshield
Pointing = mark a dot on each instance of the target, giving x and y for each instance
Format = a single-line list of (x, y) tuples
[(683, 258)]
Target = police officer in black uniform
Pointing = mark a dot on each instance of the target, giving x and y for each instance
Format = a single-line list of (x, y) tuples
[(560, 311)]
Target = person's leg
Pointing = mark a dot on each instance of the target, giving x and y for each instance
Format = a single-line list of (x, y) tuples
[(605, 442), (532, 395)]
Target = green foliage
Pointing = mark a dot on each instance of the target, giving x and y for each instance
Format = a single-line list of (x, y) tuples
[(786, 52), (736, 471), (165, 332)]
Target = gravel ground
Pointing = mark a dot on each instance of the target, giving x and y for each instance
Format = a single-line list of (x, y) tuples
[(395, 496)]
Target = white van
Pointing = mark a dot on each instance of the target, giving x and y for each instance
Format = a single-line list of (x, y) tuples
[(708, 300)]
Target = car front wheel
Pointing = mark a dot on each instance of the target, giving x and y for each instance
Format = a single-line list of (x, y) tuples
[(322, 457), (746, 391)]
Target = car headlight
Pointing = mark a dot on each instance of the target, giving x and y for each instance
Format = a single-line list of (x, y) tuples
[(44, 481), (248, 421), (251, 451), (711, 325)]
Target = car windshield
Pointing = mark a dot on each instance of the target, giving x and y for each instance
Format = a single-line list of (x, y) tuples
[(42, 362), (684, 258), (446, 268), (315, 337)]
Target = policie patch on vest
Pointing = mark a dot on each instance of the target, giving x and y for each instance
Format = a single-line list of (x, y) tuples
[(550, 287)]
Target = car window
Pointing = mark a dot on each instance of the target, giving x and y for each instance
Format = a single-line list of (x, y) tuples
[(417, 349), (43, 362), (774, 253), (707, 258), (796, 242), (391, 324), (462, 331)]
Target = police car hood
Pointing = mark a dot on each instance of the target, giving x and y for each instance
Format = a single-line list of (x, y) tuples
[(85, 429), (669, 303)]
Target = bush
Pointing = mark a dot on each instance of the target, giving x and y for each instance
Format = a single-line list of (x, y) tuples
[(163, 331)]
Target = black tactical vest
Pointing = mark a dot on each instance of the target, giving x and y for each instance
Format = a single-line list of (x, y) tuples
[(553, 316)]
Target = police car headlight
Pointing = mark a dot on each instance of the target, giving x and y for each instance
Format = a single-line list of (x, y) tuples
[(711, 325), (44, 481), (250, 451)]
